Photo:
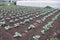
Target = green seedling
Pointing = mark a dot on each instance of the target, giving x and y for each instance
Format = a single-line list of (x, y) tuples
[(37, 16), (38, 21), (16, 25), (16, 19), (47, 26), (31, 18), (7, 27), (26, 20), (43, 31), (11, 21), (17, 34), (2, 23), (53, 38), (7, 18), (36, 37), (21, 22), (1, 17), (31, 26)]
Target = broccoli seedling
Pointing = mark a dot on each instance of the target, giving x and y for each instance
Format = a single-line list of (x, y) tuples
[(31, 26), (1, 17), (11, 21), (31, 18), (17, 34), (7, 27), (21, 22), (37, 16), (26, 21), (36, 37), (17, 24), (43, 31), (21, 18), (2, 23), (38, 21), (8, 18), (16, 19), (53, 38), (47, 26)]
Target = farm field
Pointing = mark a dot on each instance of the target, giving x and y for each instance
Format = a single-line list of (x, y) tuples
[(29, 23)]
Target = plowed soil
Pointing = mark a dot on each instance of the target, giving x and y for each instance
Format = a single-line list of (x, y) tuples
[(8, 35)]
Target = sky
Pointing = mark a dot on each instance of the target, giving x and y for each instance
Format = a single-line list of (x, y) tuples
[(39, 0), (40, 3)]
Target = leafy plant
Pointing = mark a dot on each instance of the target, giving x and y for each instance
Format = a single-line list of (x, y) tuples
[(17, 34), (56, 17), (47, 26), (7, 18), (2, 23), (37, 16), (7, 27), (43, 31), (16, 25), (53, 38), (43, 19), (26, 20), (12, 16), (21, 17), (31, 26), (36, 37), (16, 19), (21, 22), (38, 21), (31, 18), (25, 16), (11, 21), (1, 17)]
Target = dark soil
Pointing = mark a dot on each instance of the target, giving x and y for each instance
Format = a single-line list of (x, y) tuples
[(8, 35)]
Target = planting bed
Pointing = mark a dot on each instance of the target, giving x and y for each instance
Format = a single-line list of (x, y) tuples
[(29, 23)]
